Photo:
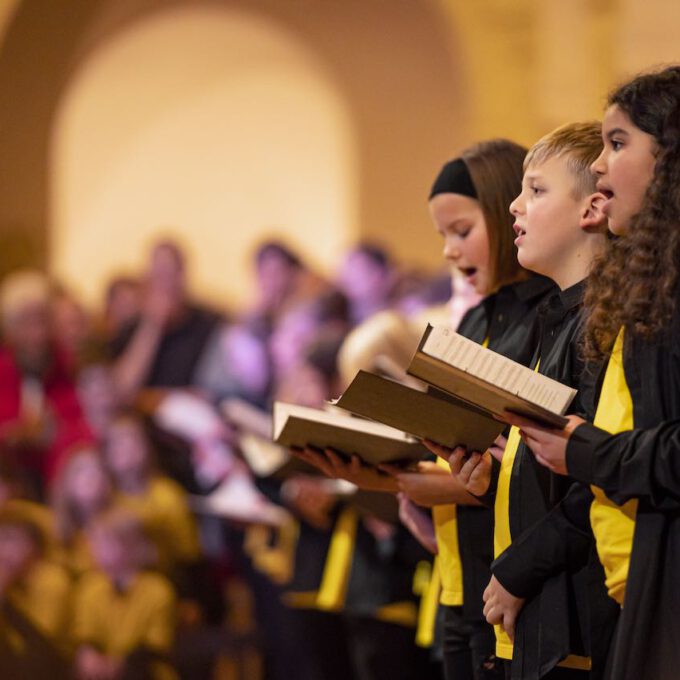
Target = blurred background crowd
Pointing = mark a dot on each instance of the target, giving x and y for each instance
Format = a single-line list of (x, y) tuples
[(122, 473), (142, 531)]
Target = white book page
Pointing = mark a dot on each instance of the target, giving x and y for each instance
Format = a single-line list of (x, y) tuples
[(336, 417), (454, 349)]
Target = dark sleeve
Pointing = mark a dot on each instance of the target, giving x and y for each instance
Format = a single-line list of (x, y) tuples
[(642, 464), (561, 541), (409, 551)]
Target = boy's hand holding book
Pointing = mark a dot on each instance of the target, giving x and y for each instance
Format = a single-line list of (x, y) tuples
[(548, 445), (473, 471)]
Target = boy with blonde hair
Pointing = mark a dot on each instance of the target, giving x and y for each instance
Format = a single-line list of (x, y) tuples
[(560, 231)]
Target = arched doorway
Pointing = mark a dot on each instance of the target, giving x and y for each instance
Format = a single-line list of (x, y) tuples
[(211, 124), (397, 68)]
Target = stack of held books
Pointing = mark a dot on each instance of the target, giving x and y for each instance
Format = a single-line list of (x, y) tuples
[(469, 388)]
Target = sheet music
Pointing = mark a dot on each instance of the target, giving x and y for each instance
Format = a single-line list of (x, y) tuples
[(462, 353)]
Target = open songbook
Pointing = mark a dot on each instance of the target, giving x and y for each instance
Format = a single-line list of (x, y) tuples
[(375, 443), (488, 380), (429, 415)]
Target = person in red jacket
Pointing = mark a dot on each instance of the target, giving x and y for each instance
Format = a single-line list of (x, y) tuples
[(38, 400)]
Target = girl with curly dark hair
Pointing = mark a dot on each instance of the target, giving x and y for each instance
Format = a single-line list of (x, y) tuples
[(631, 453)]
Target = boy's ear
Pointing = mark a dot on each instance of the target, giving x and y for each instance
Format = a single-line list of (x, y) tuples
[(592, 217)]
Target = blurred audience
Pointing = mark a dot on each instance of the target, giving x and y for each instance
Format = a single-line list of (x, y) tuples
[(124, 615), (35, 603), (110, 418)]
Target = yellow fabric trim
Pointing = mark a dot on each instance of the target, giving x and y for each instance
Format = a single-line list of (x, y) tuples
[(422, 576), (117, 623), (504, 651), (44, 595), (501, 533), (427, 613), (401, 613), (276, 560), (503, 644), (450, 565), (300, 600), (336, 573), (614, 525), (582, 663)]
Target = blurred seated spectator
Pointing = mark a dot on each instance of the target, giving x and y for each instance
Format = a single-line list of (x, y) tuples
[(283, 280), (157, 500), (38, 401), (71, 326), (15, 500), (81, 491), (315, 378), (122, 304), (366, 278), (300, 326), (415, 292), (236, 365), (34, 602), (124, 619), (162, 347)]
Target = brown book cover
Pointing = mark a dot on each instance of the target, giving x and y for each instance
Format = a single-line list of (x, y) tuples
[(375, 443), (427, 415), (488, 380)]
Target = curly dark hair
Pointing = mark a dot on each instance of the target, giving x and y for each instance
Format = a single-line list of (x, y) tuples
[(633, 283)]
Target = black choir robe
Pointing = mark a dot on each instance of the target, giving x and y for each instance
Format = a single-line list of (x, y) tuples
[(507, 319), (644, 463), (554, 621)]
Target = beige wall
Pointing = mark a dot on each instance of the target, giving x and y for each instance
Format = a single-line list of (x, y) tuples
[(379, 88), (239, 134), (399, 86), (530, 66)]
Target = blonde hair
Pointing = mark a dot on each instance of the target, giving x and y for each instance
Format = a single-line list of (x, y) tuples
[(386, 336), (20, 289), (579, 143)]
